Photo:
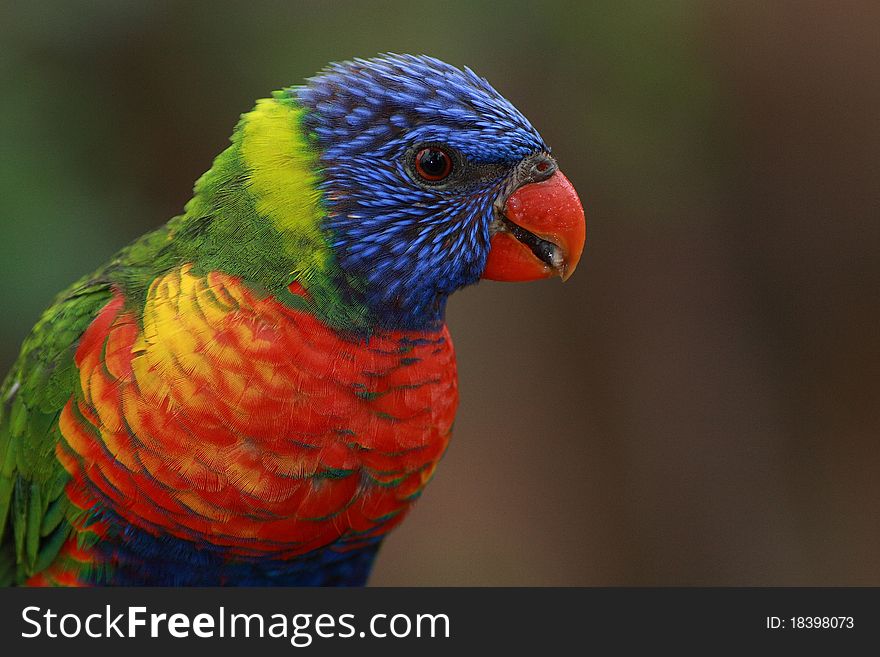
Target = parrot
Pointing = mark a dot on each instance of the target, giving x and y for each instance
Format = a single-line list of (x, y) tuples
[(256, 393)]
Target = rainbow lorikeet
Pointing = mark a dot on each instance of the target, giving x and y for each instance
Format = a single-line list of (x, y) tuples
[(255, 393)]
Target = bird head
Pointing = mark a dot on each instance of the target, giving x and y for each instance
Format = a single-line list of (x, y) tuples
[(431, 180)]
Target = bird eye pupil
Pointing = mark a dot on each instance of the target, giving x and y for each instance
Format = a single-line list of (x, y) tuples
[(433, 164)]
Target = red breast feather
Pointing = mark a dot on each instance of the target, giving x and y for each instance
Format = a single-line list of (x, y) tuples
[(235, 420)]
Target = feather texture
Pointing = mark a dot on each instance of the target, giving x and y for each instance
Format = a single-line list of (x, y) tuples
[(256, 392), (234, 422)]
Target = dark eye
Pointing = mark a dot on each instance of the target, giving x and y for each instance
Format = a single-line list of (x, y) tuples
[(433, 164)]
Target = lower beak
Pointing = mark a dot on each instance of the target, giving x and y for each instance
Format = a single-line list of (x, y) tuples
[(540, 234)]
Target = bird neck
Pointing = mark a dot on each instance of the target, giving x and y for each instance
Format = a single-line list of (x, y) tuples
[(259, 213)]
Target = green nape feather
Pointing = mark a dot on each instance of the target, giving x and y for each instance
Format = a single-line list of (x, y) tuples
[(256, 213), (34, 512)]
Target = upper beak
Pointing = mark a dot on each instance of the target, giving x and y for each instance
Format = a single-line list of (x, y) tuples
[(540, 233)]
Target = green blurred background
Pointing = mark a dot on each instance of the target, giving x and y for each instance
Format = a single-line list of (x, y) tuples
[(700, 404)]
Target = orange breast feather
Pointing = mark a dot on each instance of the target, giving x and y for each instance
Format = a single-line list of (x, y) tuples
[(232, 419)]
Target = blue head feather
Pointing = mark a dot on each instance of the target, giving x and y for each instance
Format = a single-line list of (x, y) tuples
[(410, 244)]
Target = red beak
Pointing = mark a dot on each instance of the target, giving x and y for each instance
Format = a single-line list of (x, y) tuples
[(542, 233)]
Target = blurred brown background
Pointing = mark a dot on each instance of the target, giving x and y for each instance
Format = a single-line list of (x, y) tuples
[(700, 404)]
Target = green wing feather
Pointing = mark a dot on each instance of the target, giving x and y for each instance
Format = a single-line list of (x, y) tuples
[(33, 506)]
